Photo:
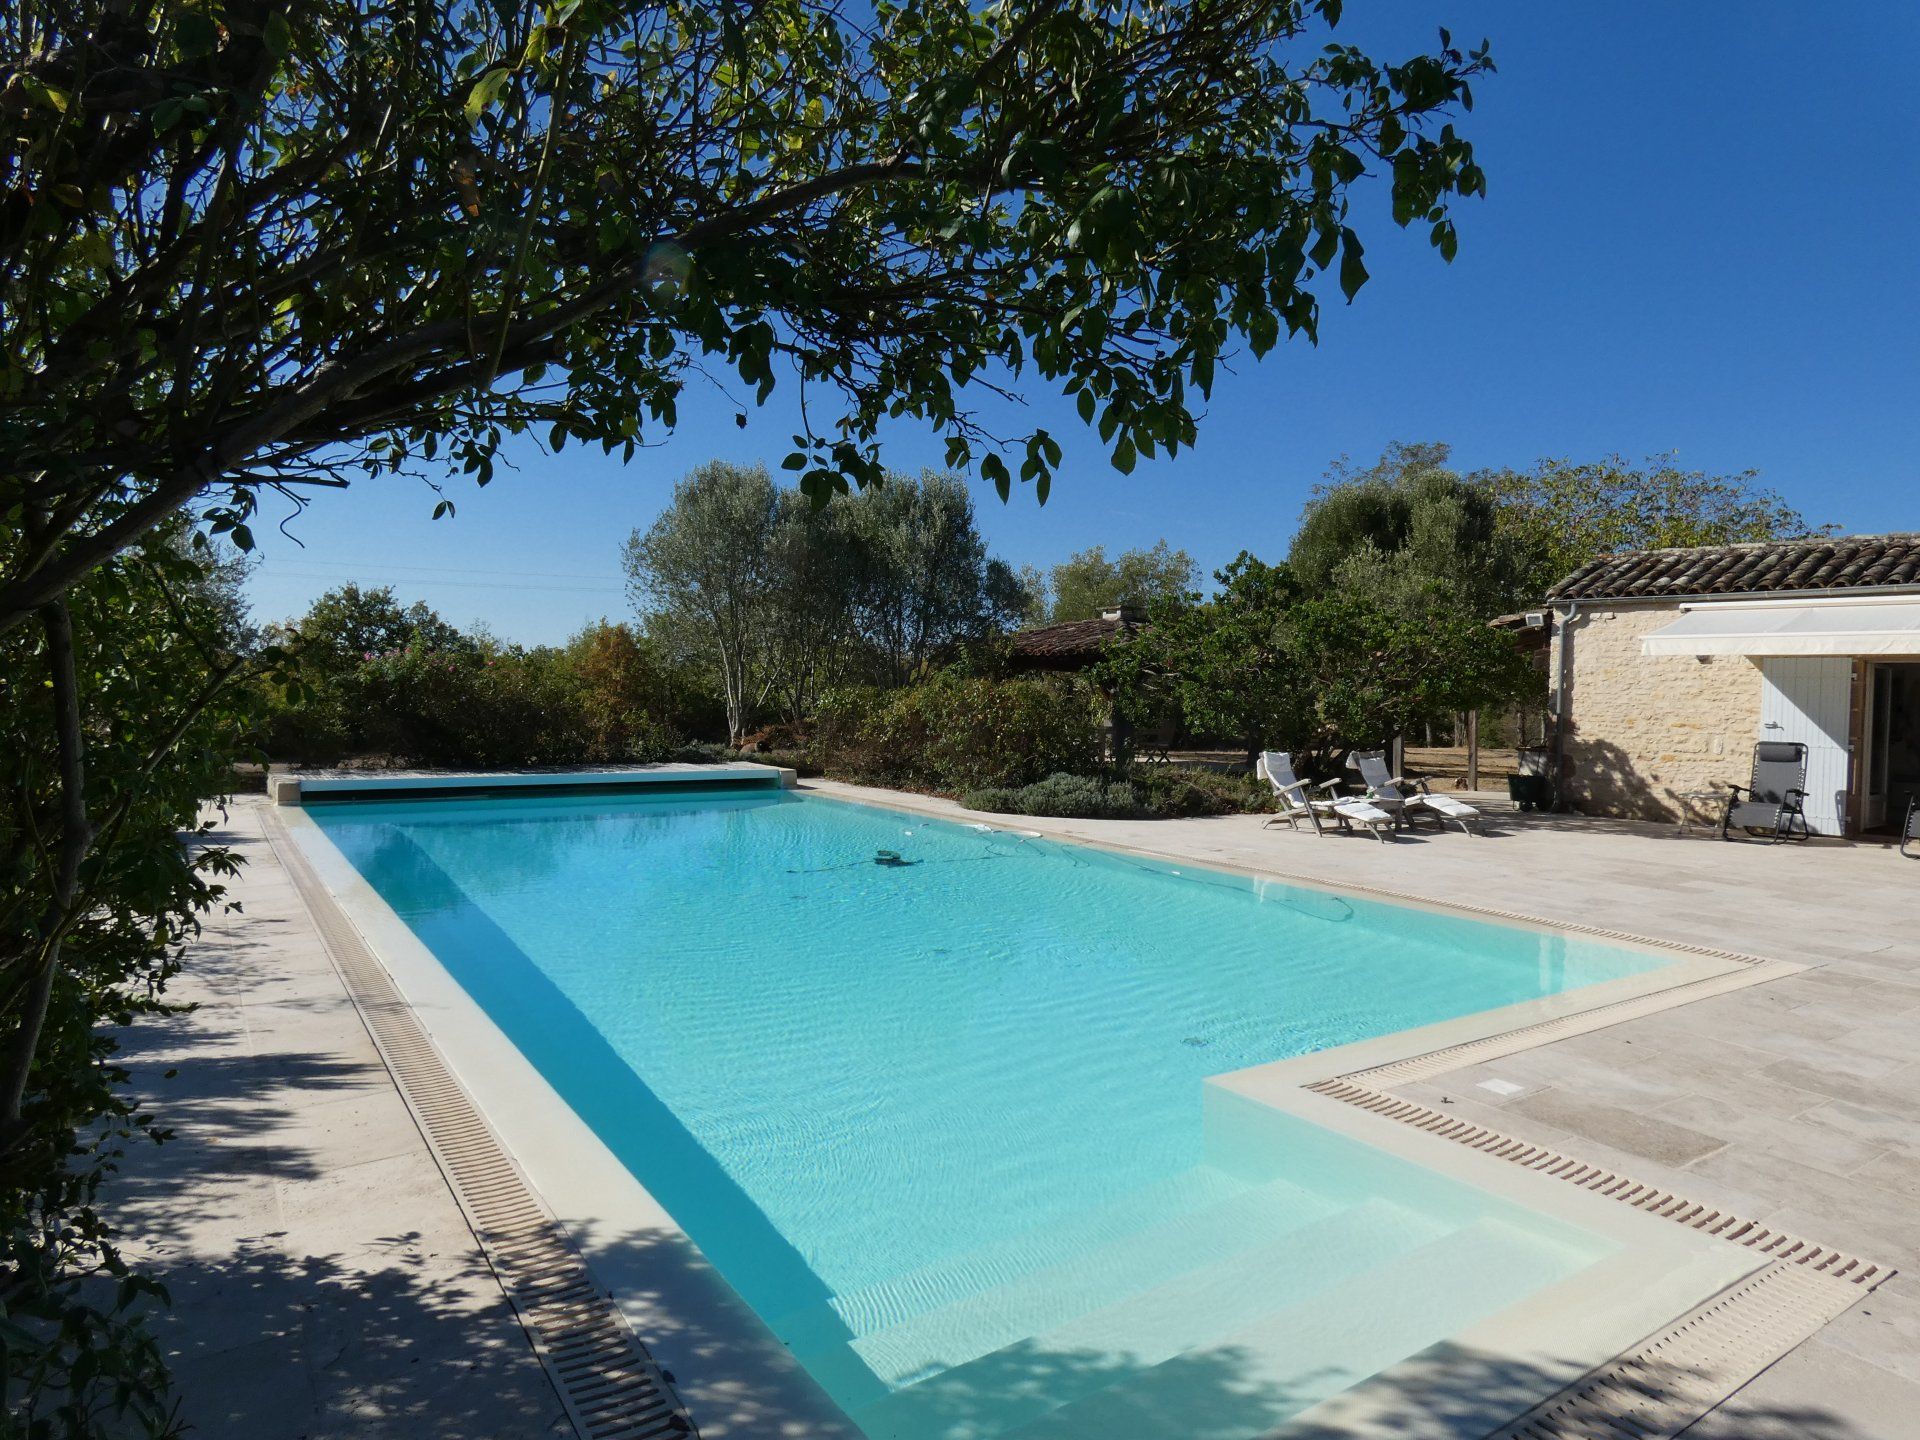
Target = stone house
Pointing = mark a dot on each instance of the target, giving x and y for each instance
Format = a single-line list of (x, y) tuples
[(1666, 666)]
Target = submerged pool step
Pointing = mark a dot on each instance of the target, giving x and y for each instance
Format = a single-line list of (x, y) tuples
[(871, 1308), (1253, 1378), (1110, 1344), (1046, 1298), (860, 1370)]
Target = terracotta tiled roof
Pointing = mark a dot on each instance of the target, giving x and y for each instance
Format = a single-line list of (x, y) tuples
[(1071, 639), (1849, 562)]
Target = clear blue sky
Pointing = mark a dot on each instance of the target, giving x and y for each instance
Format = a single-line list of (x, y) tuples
[(1698, 238)]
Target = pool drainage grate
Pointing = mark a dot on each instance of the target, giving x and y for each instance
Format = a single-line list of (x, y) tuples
[(604, 1377), (1668, 1383)]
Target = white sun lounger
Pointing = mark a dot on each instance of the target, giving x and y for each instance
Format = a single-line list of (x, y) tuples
[(1409, 798), (1346, 812)]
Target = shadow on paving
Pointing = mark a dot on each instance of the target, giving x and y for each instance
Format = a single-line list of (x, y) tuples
[(311, 1299), (403, 1335)]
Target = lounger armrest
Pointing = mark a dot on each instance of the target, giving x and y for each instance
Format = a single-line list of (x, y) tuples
[(1402, 780), (1736, 791), (1283, 789), (1329, 784)]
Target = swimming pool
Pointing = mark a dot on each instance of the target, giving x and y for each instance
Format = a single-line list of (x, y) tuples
[(943, 1122)]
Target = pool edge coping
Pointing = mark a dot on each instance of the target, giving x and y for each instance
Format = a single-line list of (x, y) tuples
[(1705, 970)]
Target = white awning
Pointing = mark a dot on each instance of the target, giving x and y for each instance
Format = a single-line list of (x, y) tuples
[(1865, 627)]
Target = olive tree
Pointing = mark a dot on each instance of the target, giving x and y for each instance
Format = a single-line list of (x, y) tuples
[(1087, 582), (925, 582), (1411, 508), (706, 571)]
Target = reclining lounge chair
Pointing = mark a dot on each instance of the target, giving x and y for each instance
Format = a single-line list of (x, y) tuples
[(1346, 812), (1773, 802), (1409, 799)]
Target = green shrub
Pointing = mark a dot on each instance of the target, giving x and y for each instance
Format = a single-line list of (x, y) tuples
[(1154, 793), (139, 644), (959, 732), (1074, 797), (1182, 790)]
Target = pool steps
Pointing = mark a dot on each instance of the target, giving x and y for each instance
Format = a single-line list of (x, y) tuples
[(1236, 1231), (1308, 1314), (870, 1309), (1316, 1346), (1269, 1268)]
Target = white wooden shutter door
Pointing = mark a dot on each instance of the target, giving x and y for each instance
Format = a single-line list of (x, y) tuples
[(1809, 698)]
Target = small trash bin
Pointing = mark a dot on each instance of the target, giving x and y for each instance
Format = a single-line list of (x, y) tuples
[(1529, 792)]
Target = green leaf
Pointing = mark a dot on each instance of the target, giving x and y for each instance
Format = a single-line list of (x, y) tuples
[(1353, 273), (486, 90), (42, 93), (1124, 456), (196, 35), (1324, 247), (278, 35), (995, 469)]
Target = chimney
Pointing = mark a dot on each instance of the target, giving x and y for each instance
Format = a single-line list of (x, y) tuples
[(1126, 614)]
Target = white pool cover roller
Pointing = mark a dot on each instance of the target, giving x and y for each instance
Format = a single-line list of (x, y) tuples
[(1888, 626)]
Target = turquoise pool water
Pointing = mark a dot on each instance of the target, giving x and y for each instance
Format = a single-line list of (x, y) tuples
[(943, 1123)]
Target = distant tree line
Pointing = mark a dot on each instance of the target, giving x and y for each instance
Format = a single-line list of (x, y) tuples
[(753, 606)]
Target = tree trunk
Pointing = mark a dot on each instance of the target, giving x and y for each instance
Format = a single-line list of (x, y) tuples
[(76, 837)]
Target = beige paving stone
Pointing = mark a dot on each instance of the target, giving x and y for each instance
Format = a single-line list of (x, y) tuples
[(253, 1392), (1884, 1330), (1636, 1132), (1838, 1084), (1886, 1128), (1897, 1171), (1806, 1140), (1818, 1392), (1854, 1214)]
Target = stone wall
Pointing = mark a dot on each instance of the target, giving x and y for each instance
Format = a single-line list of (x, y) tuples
[(1646, 729)]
